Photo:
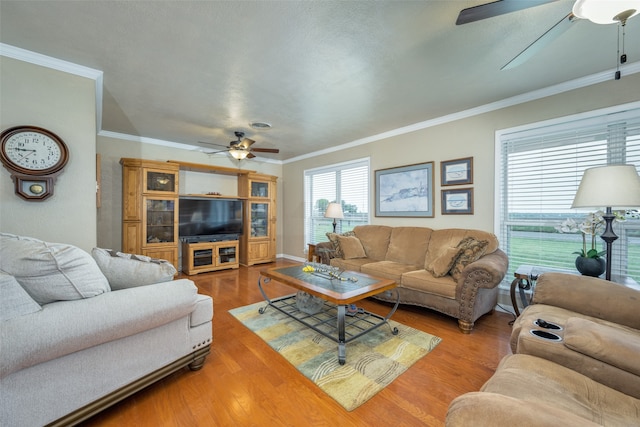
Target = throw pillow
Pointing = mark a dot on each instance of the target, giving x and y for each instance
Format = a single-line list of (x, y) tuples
[(51, 271), (351, 247), (15, 301), (470, 250), (129, 271), (440, 266), (333, 238)]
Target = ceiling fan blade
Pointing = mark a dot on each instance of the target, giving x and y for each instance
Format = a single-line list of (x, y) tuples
[(265, 150), (550, 35), (212, 143), (500, 7), (250, 156), (246, 143)]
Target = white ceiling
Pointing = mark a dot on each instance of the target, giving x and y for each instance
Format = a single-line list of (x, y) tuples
[(323, 73)]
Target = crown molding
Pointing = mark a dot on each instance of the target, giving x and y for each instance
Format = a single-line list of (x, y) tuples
[(60, 65)]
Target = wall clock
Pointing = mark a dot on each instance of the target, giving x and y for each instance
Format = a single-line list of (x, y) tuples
[(35, 157)]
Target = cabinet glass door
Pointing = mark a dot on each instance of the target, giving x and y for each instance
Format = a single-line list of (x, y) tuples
[(227, 254), (259, 219), (259, 189), (160, 221), (161, 181)]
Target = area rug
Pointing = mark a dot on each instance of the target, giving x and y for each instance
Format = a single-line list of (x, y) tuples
[(373, 360)]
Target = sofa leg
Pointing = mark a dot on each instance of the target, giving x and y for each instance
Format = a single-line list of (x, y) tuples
[(465, 327)]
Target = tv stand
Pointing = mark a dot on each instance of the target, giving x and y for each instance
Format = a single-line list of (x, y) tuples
[(202, 257)]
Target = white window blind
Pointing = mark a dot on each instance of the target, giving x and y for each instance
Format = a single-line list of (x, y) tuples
[(541, 169), (346, 183)]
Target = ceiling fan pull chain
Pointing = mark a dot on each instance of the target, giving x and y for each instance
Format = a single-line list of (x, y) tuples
[(618, 61)]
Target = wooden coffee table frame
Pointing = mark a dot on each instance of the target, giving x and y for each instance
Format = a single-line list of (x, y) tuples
[(331, 321)]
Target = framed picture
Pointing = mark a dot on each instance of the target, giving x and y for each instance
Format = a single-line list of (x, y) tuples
[(456, 172), (457, 202), (405, 191)]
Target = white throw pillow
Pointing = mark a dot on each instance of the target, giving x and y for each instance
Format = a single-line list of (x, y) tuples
[(14, 301), (129, 270), (51, 271)]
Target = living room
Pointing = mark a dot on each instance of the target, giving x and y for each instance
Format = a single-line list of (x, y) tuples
[(40, 92)]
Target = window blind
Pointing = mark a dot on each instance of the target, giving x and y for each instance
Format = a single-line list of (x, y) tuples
[(346, 183), (541, 169)]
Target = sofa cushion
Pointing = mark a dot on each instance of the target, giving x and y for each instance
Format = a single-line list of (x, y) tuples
[(351, 247), (387, 269), (613, 346), (14, 301), (408, 245), (374, 239), (471, 250), (353, 264), (124, 270), (448, 237), (424, 281), (51, 271), (333, 238), (441, 265)]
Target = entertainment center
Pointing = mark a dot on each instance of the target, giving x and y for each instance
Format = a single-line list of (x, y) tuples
[(215, 231)]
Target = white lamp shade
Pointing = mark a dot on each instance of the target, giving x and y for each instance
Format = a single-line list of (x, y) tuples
[(604, 11), (334, 210), (616, 186), (238, 154)]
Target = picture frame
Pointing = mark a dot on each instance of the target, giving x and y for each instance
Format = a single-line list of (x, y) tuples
[(405, 191), (456, 172), (457, 202)]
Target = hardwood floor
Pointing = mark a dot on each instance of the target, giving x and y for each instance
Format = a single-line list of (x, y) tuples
[(246, 383)]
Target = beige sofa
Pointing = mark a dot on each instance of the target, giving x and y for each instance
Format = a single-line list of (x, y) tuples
[(453, 271), (587, 375)]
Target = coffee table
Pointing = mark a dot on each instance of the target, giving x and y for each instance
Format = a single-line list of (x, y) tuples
[(338, 289)]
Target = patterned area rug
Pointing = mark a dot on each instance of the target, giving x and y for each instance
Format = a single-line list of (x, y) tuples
[(373, 361)]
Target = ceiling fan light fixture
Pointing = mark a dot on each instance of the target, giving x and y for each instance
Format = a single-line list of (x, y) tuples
[(238, 154), (606, 11)]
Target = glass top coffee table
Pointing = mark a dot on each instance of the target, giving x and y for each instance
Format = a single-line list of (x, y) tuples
[(337, 289)]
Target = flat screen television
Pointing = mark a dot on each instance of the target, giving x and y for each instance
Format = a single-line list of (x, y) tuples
[(209, 219)]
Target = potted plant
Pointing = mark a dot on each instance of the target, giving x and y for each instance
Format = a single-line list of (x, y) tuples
[(589, 262)]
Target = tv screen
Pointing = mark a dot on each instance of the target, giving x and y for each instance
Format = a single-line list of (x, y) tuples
[(201, 216)]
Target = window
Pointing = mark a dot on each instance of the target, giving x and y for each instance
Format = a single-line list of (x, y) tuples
[(345, 183), (540, 170)]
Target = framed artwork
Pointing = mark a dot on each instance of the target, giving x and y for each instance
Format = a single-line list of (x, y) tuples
[(405, 191), (456, 172), (457, 202)]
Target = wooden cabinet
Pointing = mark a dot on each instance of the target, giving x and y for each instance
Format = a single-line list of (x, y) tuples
[(150, 208), (258, 241), (209, 256)]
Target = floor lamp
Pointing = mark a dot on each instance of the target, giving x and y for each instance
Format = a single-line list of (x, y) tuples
[(615, 186), (334, 210)]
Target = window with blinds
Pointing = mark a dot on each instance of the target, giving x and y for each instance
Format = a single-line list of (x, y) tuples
[(345, 183), (540, 171)]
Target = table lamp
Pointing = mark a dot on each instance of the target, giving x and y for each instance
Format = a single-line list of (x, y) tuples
[(614, 186), (334, 210)]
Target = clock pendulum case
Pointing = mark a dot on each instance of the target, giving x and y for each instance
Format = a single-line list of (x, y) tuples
[(34, 156)]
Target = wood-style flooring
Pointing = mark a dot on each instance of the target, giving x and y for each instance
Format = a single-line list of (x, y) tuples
[(245, 383)]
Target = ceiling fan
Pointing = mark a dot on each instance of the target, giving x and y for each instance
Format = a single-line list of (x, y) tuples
[(597, 11), (241, 148)]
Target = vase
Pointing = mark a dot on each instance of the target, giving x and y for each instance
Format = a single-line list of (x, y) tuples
[(593, 267)]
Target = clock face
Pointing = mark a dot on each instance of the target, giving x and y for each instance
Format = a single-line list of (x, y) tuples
[(33, 150)]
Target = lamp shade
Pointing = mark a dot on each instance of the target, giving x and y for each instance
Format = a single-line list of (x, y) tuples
[(334, 210), (238, 154), (606, 11), (615, 186)]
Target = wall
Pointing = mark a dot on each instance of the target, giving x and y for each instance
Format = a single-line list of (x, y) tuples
[(474, 136), (111, 150), (66, 105)]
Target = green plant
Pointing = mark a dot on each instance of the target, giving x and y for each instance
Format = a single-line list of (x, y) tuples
[(592, 225)]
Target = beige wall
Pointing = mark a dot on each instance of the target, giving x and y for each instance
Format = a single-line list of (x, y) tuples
[(66, 105), (474, 136), (111, 150)]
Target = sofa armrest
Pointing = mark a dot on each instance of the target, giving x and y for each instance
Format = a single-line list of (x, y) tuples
[(492, 267), (325, 252), (589, 296), (483, 409)]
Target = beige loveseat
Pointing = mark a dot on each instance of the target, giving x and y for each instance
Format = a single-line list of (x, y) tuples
[(453, 271), (585, 373)]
